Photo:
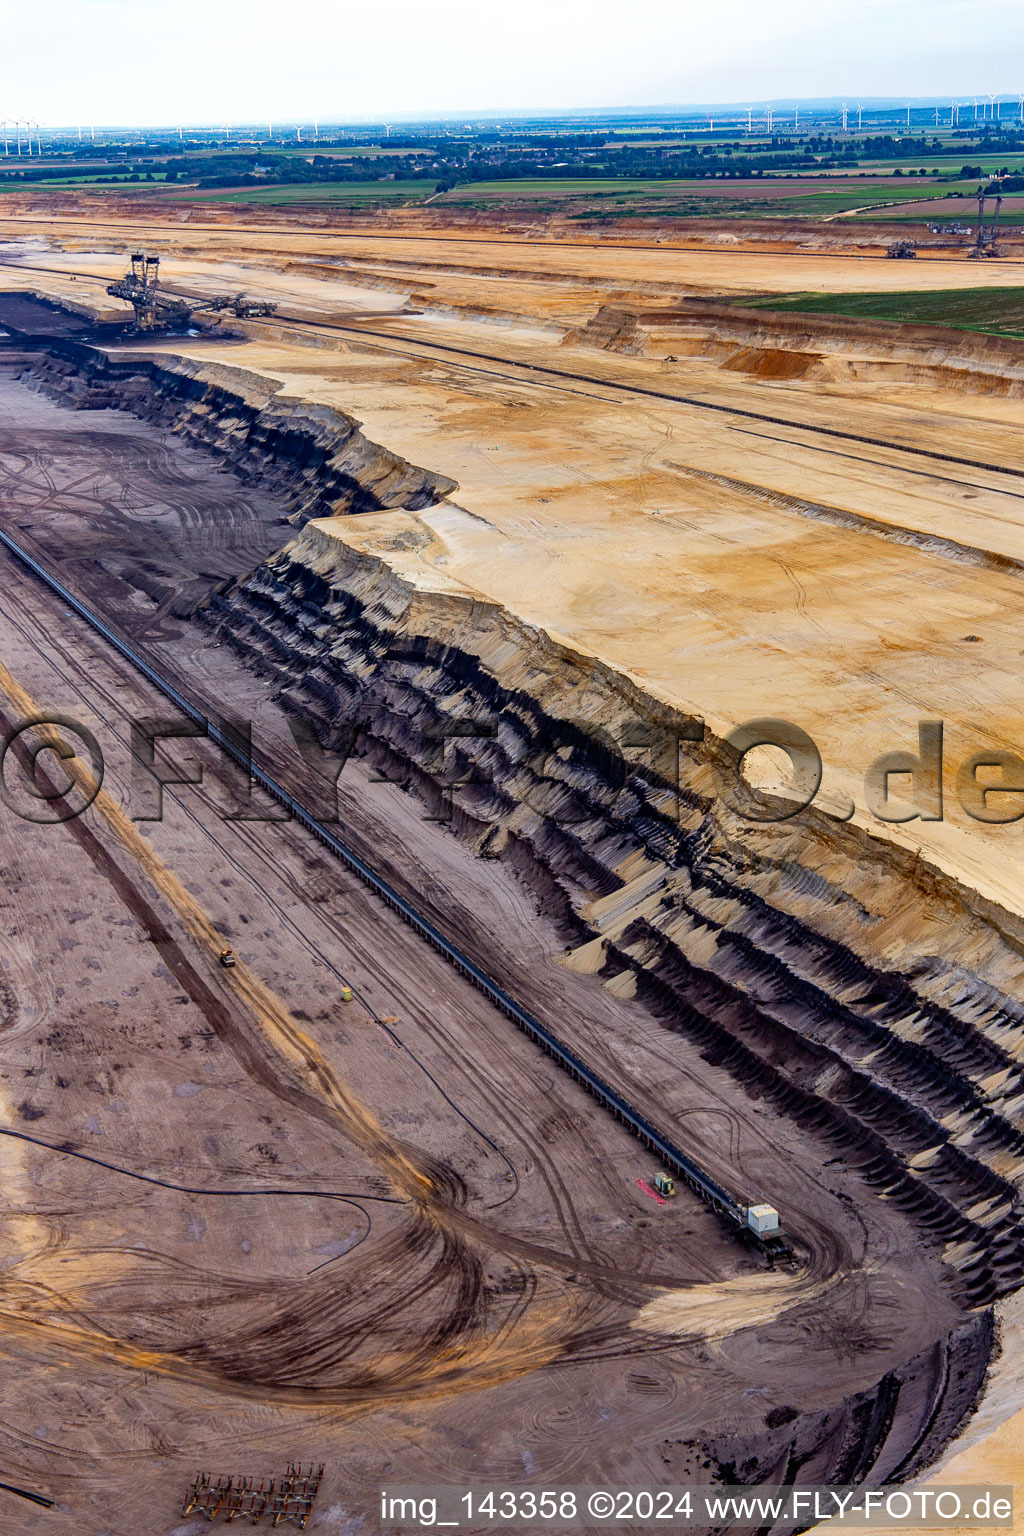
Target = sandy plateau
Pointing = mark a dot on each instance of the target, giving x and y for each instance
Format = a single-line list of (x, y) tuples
[(570, 490)]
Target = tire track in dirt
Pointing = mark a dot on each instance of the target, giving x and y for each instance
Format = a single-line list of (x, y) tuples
[(463, 1349), (580, 1246), (417, 1180), (604, 1339)]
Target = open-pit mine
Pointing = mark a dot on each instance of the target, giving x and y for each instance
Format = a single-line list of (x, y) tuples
[(512, 961)]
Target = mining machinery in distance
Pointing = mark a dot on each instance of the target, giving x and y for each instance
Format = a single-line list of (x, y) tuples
[(154, 309)]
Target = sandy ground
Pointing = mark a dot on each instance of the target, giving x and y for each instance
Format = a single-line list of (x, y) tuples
[(649, 531), (194, 1286), (721, 265), (201, 1320), (672, 541)]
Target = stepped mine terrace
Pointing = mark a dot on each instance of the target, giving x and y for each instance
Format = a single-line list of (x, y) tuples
[(532, 511)]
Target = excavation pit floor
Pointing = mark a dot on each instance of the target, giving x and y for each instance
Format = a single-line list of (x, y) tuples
[(199, 1311), (691, 527)]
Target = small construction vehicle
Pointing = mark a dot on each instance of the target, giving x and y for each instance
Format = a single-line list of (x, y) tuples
[(227, 958), (901, 250), (241, 306), (665, 1185), (346, 994)]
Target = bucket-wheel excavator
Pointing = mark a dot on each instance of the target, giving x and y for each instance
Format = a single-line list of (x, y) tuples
[(154, 309)]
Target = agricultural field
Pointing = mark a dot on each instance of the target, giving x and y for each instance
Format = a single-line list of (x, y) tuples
[(809, 196), (339, 194), (141, 183), (799, 196), (992, 311), (720, 198), (740, 188), (958, 210)]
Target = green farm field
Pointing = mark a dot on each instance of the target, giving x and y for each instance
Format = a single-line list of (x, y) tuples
[(992, 311), (768, 198), (694, 198), (111, 183), (339, 194)]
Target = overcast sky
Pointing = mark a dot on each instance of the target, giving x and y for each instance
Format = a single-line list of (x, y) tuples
[(206, 61)]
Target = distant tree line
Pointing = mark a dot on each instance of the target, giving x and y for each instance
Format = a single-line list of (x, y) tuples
[(448, 161)]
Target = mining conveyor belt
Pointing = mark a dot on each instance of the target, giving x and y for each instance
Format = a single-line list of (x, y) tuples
[(710, 1191)]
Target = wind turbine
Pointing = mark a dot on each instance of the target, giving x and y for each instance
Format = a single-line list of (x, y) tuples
[(844, 116), (859, 116), (769, 120), (992, 105), (908, 116), (1020, 104), (750, 111)]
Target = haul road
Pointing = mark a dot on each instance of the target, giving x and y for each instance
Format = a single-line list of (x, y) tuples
[(757, 1222)]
